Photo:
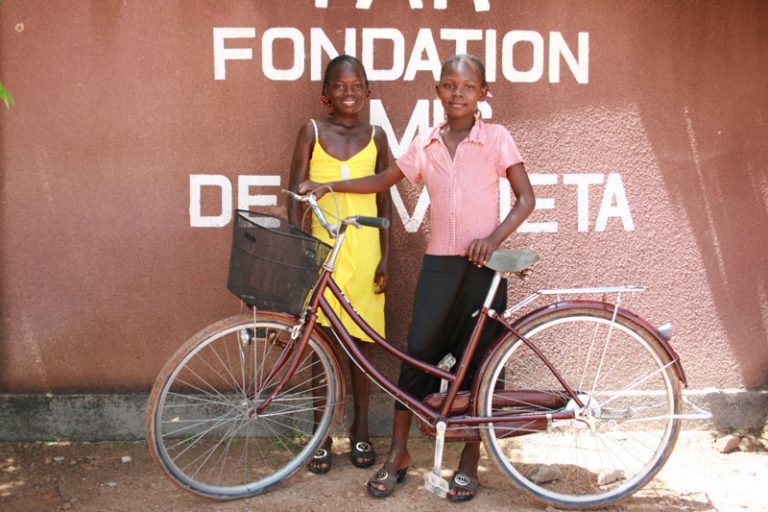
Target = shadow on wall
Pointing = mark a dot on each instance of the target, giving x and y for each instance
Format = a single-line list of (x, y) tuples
[(706, 118)]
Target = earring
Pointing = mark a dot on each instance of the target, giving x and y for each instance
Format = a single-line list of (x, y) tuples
[(326, 102)]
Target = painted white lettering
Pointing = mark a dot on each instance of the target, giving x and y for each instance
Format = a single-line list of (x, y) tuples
[(542, 203), (411, 223), (480, 5), (366, 4), (461, 36), (419, 121), (293, 35), (319, 43), (519, 49), (370, 36), (614, 199), (508, 68), (614, 190), (579, 67), (424, 44), (244, 198), (486, 111), (221, 54), (438, 112), (582, 182), (196, 184), (490, 56)]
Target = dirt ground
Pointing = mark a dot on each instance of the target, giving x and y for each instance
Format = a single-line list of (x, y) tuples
[(100, 477)]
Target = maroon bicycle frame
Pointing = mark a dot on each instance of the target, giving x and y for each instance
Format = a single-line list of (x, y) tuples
[(317, 300)]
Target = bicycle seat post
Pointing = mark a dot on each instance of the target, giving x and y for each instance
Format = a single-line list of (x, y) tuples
[(492, 289)]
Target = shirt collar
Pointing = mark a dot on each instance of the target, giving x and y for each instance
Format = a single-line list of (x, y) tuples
[(477, 134)]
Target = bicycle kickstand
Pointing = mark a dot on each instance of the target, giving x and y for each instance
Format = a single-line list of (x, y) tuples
[(434, 481)]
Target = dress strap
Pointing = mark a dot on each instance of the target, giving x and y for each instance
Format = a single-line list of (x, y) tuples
[(314, 125), (373, 131)]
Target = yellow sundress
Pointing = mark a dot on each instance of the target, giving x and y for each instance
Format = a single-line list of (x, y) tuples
[(361, 252)]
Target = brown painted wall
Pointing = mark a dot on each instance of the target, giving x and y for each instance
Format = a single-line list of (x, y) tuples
[(103, 275)]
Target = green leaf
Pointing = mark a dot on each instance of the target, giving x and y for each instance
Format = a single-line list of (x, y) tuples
[(6, 96)]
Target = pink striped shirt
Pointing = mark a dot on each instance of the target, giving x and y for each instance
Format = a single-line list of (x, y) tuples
[(464, 192)]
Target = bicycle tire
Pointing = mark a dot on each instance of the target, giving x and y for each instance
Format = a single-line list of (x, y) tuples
[(200, 421), (631, 394)]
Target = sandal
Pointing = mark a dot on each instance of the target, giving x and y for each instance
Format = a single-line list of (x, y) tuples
[(320, 463), (386, 479), (362, 455), (462, 482)]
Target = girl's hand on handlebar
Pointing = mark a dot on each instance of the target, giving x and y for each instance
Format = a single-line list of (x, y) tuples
[(305, 187), (480, 250)]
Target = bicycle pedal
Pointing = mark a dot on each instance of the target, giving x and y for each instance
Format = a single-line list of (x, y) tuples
[(436, 484)]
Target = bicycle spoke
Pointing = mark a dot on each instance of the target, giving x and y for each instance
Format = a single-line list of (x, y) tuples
[(205, 382), (205, 431), (633, 385), (620, 437), (199, 401), (192, 441), (209, 452), (191, 424)]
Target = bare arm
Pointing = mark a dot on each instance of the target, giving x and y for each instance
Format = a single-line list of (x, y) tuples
[(384, 209), (479, 251), (379, 182), (302, 152)]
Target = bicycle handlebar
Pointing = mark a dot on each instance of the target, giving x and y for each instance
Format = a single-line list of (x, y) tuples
[(333, 229), (373, 222)]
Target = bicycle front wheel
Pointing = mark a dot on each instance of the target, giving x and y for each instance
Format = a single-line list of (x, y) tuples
[(201, 422), (620, 437)]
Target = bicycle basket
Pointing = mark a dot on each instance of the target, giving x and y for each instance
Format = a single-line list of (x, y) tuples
[(273, 264)]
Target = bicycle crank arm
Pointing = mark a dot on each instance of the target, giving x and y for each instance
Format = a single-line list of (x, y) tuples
[(434, 481)]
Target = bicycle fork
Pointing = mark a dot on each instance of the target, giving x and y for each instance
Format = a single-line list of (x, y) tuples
[(297, 352)]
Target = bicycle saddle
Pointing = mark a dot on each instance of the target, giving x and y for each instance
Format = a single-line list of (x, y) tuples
[(512, 260)]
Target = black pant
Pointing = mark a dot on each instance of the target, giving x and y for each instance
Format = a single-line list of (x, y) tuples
[(450, 289)]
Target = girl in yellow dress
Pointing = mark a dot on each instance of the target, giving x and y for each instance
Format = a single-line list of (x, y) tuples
[(342, 147)]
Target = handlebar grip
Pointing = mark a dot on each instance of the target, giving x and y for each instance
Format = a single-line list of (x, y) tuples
[(373, 222)]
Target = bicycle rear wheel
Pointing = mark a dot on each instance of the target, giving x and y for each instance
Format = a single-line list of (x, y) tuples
[(201, 422), (621, 437)]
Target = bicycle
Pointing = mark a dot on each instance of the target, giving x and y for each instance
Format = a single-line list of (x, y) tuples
[(577, 402)]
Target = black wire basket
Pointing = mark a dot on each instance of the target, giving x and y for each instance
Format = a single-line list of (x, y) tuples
[(273, 265)]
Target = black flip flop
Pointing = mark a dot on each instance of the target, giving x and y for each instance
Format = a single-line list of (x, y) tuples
[(386, 479), (320, 463), (362, 454), (462, 482)]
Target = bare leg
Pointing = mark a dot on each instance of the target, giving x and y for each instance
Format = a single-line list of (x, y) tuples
[(321, 461), (358, 432), (470, 457), (398, 457), (360, 390)]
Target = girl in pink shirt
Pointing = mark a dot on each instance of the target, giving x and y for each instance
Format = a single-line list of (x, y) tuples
[(460, 162)]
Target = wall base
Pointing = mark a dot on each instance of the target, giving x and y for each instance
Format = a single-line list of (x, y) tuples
[(109, 417)]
